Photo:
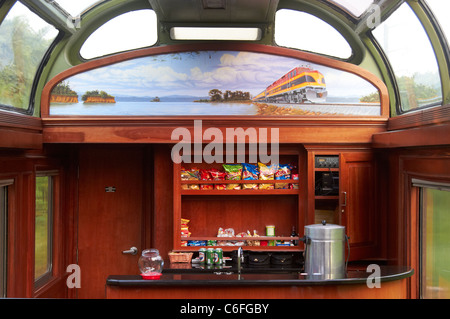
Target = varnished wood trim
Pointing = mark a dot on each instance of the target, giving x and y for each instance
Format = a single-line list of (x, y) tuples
[(433, 135), (16, 120), (313, 133), (18, 139), (433, 115), (20, 131), (340, 65)]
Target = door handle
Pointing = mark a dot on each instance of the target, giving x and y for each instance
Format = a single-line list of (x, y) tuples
[(131, 251)]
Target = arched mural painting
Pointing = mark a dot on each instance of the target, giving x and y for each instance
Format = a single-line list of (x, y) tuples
[(212, 82)]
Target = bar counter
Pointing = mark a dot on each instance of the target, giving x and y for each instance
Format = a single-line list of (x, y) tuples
[(271, 283)]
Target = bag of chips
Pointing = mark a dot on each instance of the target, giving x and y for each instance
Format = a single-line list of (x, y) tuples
[(249, 172), (294, 175), (234, 172), (267, 172), (283, 172), (205, 176), (189, 175), (217, 175)]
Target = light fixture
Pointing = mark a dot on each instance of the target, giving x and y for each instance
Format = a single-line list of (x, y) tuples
[(215, 33)]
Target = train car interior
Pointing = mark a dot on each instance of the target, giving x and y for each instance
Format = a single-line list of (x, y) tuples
[(99, 99)]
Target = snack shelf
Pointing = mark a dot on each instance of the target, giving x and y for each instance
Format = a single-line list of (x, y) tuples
[(231, 248), (240, 238), (237, 203), (274, 191), (240, 192), (244, 181)]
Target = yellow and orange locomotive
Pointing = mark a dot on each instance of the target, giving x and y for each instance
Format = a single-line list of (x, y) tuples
[(297, 86)]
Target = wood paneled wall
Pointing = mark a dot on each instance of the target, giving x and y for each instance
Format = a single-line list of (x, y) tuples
[(22, 168)]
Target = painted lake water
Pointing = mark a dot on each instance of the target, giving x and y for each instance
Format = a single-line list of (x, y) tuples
[(121, 108)]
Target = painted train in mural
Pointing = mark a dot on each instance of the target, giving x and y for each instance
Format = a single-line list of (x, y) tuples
[(297, 86)]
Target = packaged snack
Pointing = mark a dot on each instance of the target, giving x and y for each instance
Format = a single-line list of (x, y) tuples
[(217, 175), (196, 243), (249, 172), (253, 242), (205, 176), (241, 242), (294, 185), (283, 172), (185, 233), (234, 172), (228, 232), (190, 175), (294, 175), (267, 173), (185, 228)]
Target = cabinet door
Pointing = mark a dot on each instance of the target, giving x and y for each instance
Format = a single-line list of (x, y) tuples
[(357, 203)]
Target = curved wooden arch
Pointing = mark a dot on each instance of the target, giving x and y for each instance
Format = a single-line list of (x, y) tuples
[(215, 46)]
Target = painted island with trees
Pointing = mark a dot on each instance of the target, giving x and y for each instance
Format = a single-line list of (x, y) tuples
[(97, 97)]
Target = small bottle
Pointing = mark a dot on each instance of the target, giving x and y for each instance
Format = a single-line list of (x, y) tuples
[(294, 234)]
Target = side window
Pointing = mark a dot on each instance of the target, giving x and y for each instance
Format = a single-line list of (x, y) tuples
[(43, 229), (434, 239), (24, 40), (411, 56), (3, 235), (301, 30), (131, 30)]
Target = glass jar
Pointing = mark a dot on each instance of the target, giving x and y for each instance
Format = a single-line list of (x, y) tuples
[(150, 264)]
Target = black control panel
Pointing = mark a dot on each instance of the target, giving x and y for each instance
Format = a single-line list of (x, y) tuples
[(327, 181), (327, 161)]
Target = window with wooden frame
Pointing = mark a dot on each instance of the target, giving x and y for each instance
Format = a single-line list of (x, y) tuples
[(415, 67), (46, 192), (4, 235), (434, 242), (24, 41)]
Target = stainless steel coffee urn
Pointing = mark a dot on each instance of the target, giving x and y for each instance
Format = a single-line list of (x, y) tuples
[(325, 251)]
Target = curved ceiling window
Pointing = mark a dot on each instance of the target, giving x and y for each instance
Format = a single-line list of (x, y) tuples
[(24, 40), (306, 32), (355, 8), (440, 10), (411, 56), (75, 8), (131, 30)]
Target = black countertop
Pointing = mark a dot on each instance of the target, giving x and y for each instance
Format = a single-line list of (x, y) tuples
[(276, 276)]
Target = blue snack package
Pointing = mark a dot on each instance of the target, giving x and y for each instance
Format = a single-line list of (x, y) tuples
[(249, 172)]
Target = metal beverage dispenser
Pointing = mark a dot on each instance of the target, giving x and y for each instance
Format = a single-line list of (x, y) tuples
[(325, 251)]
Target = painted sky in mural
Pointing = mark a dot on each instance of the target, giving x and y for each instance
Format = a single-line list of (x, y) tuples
[(196, 73)]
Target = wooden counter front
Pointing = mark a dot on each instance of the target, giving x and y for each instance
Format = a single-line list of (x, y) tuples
[(393, 285)]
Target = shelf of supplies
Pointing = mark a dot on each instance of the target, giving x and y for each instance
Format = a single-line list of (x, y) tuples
[(231, 248), (240, 238), (240, 192), (274, 191), (242, 181)]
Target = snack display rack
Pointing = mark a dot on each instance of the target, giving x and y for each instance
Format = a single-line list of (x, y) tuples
[(242, 209)]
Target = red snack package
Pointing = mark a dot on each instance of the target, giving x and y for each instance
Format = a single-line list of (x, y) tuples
[(205, 176), (217, 175)]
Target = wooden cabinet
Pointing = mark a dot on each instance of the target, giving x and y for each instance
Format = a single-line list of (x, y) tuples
[(357, 203), (240, 209), (347, 198)]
